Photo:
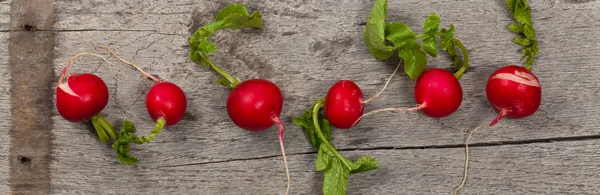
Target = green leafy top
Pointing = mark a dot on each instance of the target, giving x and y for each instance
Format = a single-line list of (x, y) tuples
[(234, 16), (522, 14), (374, 34), (126, 135), (404, 40), (306, 122), (336, 168)]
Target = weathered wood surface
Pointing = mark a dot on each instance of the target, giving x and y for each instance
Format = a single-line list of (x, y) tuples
[(4, 110), (305, 47)]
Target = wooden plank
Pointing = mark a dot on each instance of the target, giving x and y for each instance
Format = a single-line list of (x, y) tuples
[(4, 112), (541, 168), (31, 78)]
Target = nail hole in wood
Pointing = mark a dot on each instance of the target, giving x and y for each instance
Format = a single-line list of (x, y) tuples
[(24, 160), (28, 27)]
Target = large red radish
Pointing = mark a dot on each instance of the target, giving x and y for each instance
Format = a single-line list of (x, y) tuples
[(255, 105), (82, 97), (438, 92), (514, 92)]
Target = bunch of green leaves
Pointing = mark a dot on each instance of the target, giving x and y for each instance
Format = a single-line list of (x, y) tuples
[(234, 16), (522, 13), (126, 135), (379, 33), (336, 168)]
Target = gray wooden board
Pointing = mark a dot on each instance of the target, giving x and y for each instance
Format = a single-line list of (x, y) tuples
[(5, 110), (540, 168), (4, 95), (305, 47)]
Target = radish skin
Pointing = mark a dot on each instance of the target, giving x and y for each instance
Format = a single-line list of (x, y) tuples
[(344, 104)]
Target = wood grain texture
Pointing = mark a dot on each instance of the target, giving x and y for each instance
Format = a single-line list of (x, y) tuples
[(5, 112), (5, 15), (4, 95), (305, 47), (31, 78)]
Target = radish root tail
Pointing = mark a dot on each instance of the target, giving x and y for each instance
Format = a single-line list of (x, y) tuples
[(129, 63), (64, 71), (287, 172), (419, 107), (467, 157), (384, 86), (502, 114)]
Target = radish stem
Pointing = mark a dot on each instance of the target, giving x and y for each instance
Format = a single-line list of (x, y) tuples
[(160, 123), (322, 137), (99, 130), (109, 128), (234, 81)]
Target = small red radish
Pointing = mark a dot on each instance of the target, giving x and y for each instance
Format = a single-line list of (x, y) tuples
[(82, 97), (344, 104), (514, 92), (255, 105), (167, 101), (166, 104), (438, 92), (164, 101)]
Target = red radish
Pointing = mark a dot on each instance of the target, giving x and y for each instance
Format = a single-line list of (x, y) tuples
[(255, 105), (82, 97), (514, 92), (166, 100), (344, 104), (439, 92)]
